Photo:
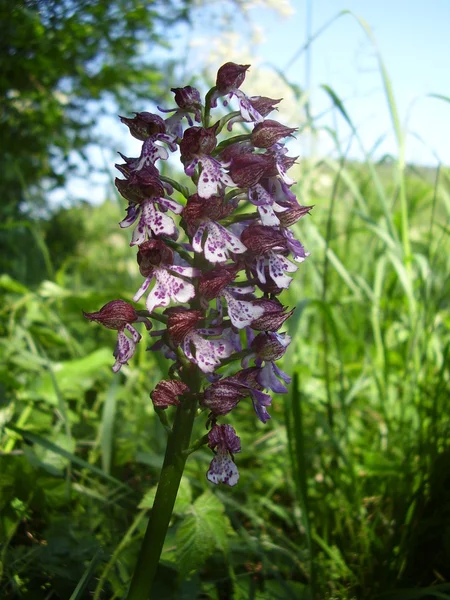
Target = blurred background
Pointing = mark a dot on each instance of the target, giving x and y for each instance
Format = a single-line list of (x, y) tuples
[(345, 493)]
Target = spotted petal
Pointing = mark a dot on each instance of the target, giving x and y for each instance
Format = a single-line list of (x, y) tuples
[(212, 177), (208, 353), (125, 348), (152, 221), (242, 312), (219, 242), (222, 469), (277, 265), (167, 288)]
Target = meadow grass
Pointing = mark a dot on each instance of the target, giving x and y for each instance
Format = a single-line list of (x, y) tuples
[(344, 494)]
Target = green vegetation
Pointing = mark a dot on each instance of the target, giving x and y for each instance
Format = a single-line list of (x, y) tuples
[(344, 494), (361, 507)]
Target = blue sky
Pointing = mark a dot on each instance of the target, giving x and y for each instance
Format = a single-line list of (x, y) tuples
[(414, 41)]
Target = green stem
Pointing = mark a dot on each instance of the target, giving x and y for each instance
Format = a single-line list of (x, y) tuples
[(172, 471), (207, 112)]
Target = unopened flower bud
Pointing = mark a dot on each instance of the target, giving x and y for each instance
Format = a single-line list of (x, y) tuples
[(247, 169), (114, 315), (268, 133), (198, 141), (259, 239), (151, 254), (230, 76), (187, 97), (212, 283), (221, 397), (270, 346), (144, 124), (263, 105), (274, 315), (139, 187), (292, 215), (166, 392), (180, 322)]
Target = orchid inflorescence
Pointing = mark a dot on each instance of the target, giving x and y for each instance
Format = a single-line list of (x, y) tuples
[(227, 253)]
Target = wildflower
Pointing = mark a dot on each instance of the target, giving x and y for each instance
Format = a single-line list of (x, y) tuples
[(119, 315), (196, 148), (223, 438), (230, 77), (155, 261)]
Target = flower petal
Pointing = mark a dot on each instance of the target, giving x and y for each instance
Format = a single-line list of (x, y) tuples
[(197, 239), (242, 312), (167, 288), (144, 287), (277, 265), (222, 469), (124, 350)]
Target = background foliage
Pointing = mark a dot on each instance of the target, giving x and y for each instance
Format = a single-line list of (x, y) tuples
[(344, 494)]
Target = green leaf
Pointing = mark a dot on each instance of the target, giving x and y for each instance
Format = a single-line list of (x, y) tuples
[(72, 377), (202, 531)]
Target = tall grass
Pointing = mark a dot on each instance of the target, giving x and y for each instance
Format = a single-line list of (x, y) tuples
[(344, 494)]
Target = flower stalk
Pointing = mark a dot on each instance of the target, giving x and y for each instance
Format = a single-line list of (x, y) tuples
[(216, 266)]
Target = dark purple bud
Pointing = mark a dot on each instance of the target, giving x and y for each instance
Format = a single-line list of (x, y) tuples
[(285, 161), (247, 169), (114, 315), (263, 105), (230, 76), (235, 150), (259, 239), (274, 315), (187, 97), (196, 209), (140, 186), (212, 283), (166, 392), (151, 254), (221, 397), (144, 124), (198, 141), (180, 322), (268, 133), (292, 215), (270, 346)]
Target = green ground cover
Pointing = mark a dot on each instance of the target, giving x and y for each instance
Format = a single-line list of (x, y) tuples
[(345, 493)]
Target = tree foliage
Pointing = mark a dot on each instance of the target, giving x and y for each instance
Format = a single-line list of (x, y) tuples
[(56, 56)]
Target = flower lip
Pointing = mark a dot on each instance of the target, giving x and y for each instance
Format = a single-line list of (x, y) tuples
[(151, 254), (114, 315)]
